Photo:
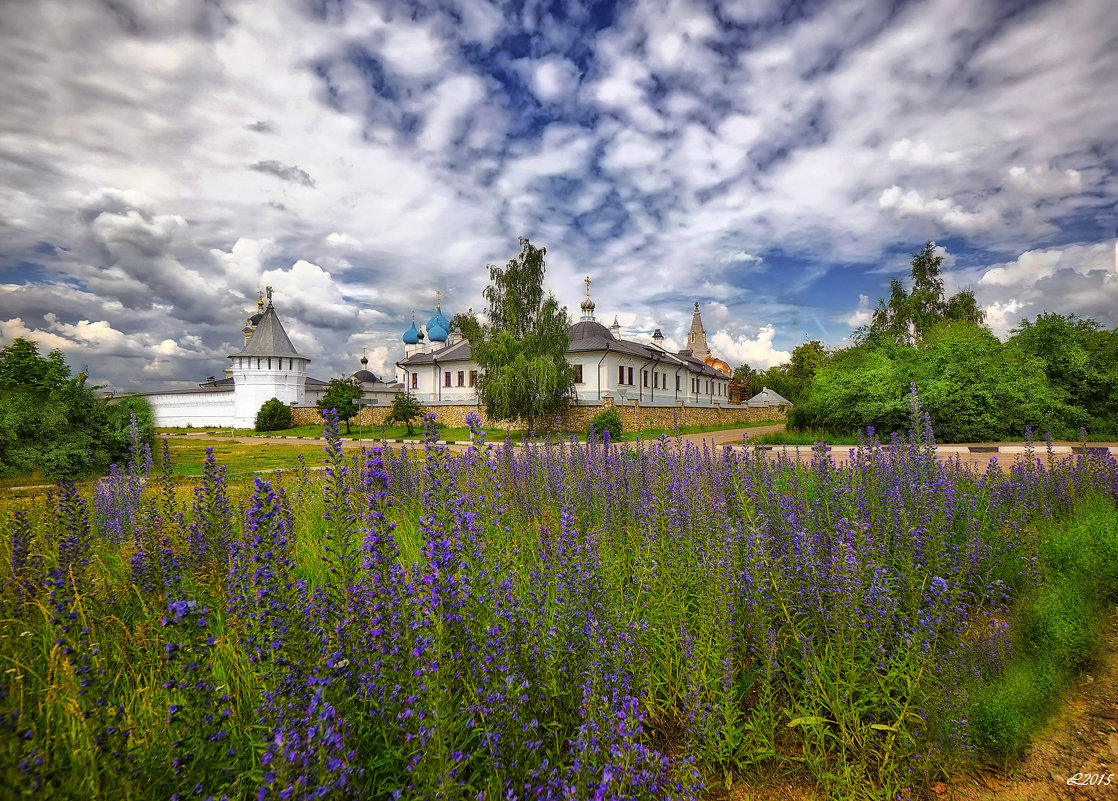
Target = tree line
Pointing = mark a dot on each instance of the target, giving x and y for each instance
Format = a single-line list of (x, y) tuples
[(1057, 373)]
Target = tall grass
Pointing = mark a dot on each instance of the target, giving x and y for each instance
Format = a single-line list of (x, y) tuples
[(569, 621)]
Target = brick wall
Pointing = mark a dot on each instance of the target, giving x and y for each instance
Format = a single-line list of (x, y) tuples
[(577, 418)]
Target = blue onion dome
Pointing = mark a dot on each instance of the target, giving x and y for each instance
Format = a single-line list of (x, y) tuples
[(437, 333), (412, 335), (438, 320)]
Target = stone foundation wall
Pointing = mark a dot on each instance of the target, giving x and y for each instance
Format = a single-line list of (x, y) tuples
[(577, 418)]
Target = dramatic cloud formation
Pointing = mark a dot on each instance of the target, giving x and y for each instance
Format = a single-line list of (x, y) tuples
[(777, 163)]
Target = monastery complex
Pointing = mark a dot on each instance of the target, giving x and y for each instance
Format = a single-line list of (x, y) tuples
[(643, 380)]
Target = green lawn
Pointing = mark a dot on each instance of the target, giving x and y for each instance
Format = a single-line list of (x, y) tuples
[(494, 434), (652, 433), (807, 438)]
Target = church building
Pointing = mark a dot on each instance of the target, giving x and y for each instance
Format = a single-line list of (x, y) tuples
[(437, 366)]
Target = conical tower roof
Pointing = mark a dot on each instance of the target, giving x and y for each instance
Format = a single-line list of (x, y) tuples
[(269, 338)]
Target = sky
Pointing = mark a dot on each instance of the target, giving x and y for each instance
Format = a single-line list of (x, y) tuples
[(778, 162)]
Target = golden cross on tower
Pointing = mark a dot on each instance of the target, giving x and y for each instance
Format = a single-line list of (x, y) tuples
[(260, 299), (438, 299), (588, 287)]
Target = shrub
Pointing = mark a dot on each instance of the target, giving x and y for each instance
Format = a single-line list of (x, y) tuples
[(120, 416), (610, 421), (274, 416), (405, 408)]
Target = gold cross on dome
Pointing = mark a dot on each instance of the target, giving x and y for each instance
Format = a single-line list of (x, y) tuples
[(588, 287)]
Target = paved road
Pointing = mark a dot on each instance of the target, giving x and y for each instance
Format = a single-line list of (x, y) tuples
[(975, 454)]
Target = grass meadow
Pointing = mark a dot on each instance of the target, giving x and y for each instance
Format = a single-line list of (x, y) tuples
[(451, 434), (573, 621)]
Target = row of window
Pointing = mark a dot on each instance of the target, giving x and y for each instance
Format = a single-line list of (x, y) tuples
[(701, 386), (244, 362), (461, 378), (624, 377)]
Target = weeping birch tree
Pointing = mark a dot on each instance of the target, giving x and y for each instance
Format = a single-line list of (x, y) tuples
[(521, 345)]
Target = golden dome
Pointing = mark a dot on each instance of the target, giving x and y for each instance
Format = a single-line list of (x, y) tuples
[(709, 361), (718, 364)]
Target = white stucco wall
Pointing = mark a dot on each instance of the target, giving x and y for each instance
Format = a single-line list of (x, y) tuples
[(198, 409)]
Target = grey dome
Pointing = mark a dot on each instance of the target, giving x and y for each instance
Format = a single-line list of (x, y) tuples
[(588, 329)]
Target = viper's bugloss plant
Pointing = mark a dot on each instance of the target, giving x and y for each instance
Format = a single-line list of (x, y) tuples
[(562, 620)]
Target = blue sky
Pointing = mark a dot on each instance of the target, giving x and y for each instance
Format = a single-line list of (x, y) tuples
[(777, 162)]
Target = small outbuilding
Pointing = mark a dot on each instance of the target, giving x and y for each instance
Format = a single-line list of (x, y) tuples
[(768, 397)]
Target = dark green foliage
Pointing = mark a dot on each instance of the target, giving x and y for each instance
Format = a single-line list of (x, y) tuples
[(342, 395), (121, 411), (405, 408), (806, 361), (1080, 360), (524, 373), (974, 387), (51, 422), (274, 415), (608, 420), (21, 366)]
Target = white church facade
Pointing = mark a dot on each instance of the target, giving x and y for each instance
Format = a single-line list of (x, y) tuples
[(437, 368)]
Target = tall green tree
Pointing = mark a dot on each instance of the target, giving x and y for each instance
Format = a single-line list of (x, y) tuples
[(50, 421), (521, 346), (907, 316), (962, 307), (342, 395), (22, 366), (807, 358), (1080, 360)]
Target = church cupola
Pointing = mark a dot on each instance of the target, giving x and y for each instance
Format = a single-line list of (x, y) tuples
[(412, 335), (615, 329), (438, 327), (254, 320), (587, 305)]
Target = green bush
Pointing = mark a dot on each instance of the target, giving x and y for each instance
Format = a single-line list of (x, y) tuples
[(274, 416), (610, 421), (120, 415)]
